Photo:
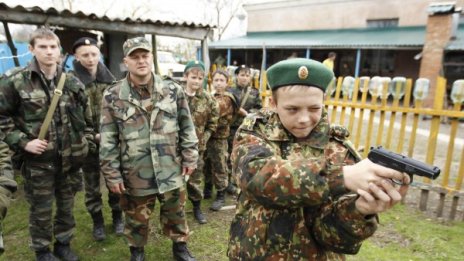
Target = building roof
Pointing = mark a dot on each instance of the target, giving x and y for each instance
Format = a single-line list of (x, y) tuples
[(412, 38), (91, 21)]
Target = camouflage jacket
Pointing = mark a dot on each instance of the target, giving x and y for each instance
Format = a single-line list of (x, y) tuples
[(293, 204), (251, 102), (205, 114), (25, 97), (94, 88), (146, 149), (227, 110), (6, 171)]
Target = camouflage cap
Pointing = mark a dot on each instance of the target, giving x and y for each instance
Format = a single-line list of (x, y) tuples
[(299, 71), (194, 64), (84, 41), (133, 44)]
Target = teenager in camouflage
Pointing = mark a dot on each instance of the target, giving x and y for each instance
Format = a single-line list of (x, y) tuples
[(304, 193), (96, 78), (216, 170), (7, 184), (51, 165), (250, 101), (148, 146), (205, 113)]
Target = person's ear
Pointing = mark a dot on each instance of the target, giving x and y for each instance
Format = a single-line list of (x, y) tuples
[(272, 102)]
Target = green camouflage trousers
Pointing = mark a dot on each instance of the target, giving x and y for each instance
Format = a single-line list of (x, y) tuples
[(194, 188), (230, 142), (93, 195), (137, 212), (43, 183), (216, 169)]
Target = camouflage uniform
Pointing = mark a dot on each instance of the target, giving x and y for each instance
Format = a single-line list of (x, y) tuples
[(7, 183), (54, 174), (205, 114), (94, 89), (251, 102), (292, 208), (216, 169), (145, 147)]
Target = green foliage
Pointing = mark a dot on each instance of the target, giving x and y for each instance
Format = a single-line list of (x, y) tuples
[(404, 234)]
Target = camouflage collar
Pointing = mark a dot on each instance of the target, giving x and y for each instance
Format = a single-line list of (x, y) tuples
[(35, 69), (318, 138)]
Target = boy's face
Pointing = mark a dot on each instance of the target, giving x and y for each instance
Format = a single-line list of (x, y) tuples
[(46, 51), (219, 83), (299, 108), (194, 79), (243, 78), (88, 56)]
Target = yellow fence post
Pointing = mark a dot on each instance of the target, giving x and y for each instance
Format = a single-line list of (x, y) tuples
[(364, 81), (407, 99), (383, 96), (396, 89), (375, 89), (336, 99), (353, 101)]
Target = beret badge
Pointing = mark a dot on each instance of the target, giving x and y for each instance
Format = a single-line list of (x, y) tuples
[(303, 72), (87, 41)]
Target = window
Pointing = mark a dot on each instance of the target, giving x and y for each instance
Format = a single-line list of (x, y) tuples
[(382, 23)]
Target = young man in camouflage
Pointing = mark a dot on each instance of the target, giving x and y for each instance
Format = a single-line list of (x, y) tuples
[(250, 101), (205, 114), (148, 147), (7, 184), (305, 194), (217, 148), (96, 78), (51, 165)]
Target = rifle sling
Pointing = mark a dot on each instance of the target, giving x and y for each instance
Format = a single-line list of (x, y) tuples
[(56, 97)]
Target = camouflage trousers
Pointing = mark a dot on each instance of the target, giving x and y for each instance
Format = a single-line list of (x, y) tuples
[(43, 183), (194, 189), (216, 169), (138, 210), (230, 142), (93, 195)]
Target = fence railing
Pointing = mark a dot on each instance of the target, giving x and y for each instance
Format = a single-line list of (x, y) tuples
[(391, 113)]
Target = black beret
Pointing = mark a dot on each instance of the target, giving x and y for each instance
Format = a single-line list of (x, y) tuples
[(241, 67), (299, 71), (83, 41)]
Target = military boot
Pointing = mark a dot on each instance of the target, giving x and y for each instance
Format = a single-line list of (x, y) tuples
[(181, 252), (197, 212), (232, 189), (98, 226), (137, 254), (64, 252), (118, 222), (45, 255), (208, 190), (219, 202)]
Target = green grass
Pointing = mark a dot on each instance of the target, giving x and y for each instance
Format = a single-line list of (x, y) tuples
[(404, 234)]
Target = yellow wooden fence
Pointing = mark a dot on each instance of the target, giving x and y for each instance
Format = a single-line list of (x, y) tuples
[(391, 113)]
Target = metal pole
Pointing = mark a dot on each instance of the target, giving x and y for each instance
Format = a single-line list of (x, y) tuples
[(358, 63), (13, 49)]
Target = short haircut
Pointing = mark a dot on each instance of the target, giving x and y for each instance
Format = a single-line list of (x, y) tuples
[(195, 70), (221, 72), (43, 33)]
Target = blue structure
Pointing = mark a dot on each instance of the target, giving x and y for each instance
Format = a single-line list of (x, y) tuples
[(6, 57)]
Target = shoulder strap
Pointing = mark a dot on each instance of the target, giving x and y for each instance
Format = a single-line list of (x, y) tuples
[(56, 97), (245, 98)]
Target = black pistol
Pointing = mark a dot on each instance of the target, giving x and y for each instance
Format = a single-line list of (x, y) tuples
[(401, 163)]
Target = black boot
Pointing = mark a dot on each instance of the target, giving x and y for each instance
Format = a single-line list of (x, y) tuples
[(137, 254), (181, 252), (64, 252), (208, 191), (232, 189), (45, 255), (197, 212), (98, 226), (118, 222), (219, 202)]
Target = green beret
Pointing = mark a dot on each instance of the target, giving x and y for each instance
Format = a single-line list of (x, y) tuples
[(299, 71), (193, 64)]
